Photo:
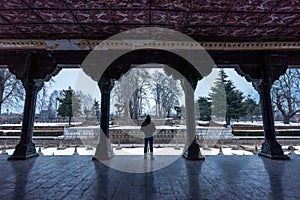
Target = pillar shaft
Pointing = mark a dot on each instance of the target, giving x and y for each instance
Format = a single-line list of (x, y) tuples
[(29, 113), (26, 148), (270, 148), (104, 150), (36, 69), (262, 73), (190, 114), (192, 147), (267, 110)]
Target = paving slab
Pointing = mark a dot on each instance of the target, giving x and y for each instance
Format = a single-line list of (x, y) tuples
[(217, 177)]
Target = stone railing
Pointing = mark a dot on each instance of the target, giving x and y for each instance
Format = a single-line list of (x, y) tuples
[(133, 134), (214, 133)]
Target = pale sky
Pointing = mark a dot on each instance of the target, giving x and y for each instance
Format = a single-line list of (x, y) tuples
[(77, 79), (203, 87)]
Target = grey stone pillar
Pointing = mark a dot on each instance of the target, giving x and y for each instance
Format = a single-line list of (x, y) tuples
[(263, 72), (104, 149), (270, 148), (192, 147), (36, 69), (26, 148)]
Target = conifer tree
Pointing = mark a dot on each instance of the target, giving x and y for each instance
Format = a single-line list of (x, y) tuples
[(204, 107), (226, 100), (69, 104)]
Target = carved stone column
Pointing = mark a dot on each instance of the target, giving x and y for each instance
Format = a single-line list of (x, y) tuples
[(26, 148), (193, 150), (32, 76), (262, 75), (104, 149), (270, 148)]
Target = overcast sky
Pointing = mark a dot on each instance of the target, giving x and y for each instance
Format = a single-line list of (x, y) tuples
[(77, 79)]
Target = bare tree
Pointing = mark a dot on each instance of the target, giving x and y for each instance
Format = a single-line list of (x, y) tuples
[(158, 83), (43, 100), (86, 103), (130, 93), (166, 92), (53, 102), (121, 94), (11, 90), (286, 94)]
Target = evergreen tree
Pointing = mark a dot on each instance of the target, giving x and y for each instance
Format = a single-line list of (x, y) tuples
[(226, 99), (235, 105), (217, 97), (69, 104), (204, 108), (252, 108)]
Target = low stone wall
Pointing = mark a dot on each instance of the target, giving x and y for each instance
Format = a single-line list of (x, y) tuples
[(54, 142), (165, 135)]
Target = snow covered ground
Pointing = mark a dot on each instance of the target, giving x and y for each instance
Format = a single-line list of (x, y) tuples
[(260, 123), (44, 124), (139, 151)]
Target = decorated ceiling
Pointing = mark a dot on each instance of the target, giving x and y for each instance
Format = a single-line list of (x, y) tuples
[(203, 20)]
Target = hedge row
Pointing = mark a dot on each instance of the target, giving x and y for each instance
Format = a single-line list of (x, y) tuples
[(261, 133), (35, 133)]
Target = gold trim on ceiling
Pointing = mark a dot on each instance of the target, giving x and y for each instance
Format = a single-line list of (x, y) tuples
[(90, 44)]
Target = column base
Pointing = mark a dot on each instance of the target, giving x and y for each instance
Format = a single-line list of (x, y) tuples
[(3, 152), (103, 157), (24, 151), (103, 153), (193, 152), (272, 150)]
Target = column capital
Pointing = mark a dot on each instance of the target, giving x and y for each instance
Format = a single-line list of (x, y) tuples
[(266, 72), (106, 85), (34, 85), (35, 69), (262, 78), (261, 85), (33, 73), (189, 84)]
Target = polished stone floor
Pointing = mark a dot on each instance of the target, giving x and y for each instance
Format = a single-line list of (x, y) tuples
[(218, 177)]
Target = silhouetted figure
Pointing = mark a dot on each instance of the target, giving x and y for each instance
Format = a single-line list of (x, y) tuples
[(148, 128)]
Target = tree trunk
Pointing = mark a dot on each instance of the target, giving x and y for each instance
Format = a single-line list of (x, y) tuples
[(126, 110), (227, 120), (1, 98), (286, 119), (70, 120)]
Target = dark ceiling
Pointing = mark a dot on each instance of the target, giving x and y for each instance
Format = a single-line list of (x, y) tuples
[(203, 20)]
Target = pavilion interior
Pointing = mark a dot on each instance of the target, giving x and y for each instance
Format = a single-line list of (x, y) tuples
[(259, 39)]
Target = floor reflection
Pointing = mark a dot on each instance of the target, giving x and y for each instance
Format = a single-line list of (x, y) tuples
[(194, 175), (218, 177), (148, 165), (275, 169), (22, 170), (102, 186)]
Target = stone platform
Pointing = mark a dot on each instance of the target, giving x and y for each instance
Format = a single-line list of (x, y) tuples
[(218, 177)]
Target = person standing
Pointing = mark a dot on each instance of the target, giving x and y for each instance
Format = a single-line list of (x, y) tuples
[(148, 128)]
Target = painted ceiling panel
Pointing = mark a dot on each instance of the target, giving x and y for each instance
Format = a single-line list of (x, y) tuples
[(205, 20)]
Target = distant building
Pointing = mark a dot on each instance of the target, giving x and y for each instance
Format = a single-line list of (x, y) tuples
[(46, 115), (11, 118)]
